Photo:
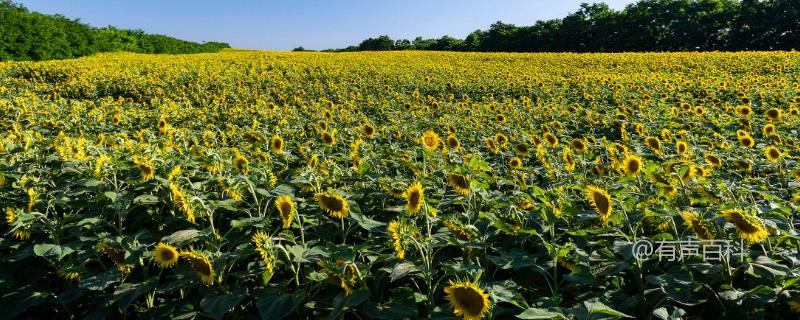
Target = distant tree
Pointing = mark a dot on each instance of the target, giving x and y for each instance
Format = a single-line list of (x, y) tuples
[(299, 49), (382, 43)]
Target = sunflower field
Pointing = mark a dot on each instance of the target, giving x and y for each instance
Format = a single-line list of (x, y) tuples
[(404, 185)]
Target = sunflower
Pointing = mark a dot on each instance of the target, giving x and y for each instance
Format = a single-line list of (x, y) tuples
[(632, 165), (328, 138), (743, 165), (276, 144), (750, 228), (264, 247), (773, 154), (397, 241), (698, 226), (452, 142), (666, 135), (515, 163), (19, 233), (32, 197), (430, 140), (747, 141), (165, 255), (162, 125), (774, 114), (551, 139), (601, 201), (240, 162), (333, 204), (501, 139), (415, 197), (181, 202), (579, 145), (147, 171), (98, 165), (713, 160), (744, 111), (681, 148), (286, 208), (457, 229), (368, 130), (522, 150), (201, 264), (569, 160), (490, 143), (468, 300), (459, 182), (653, 143), (116, 254)]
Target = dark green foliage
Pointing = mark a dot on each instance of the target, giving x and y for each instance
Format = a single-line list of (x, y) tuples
[(647, 25), (26, 35)]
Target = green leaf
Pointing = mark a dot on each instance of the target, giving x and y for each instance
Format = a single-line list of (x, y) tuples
[(596, 307), (401, 306), (217, 305), (46, 250), (100, 281), (402, 269), (538, 313), (146, 199), (278, 306), (111, 195), (126, 293)]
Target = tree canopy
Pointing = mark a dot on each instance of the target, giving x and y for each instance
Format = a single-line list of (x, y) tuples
[(647, 25), (26, 35)]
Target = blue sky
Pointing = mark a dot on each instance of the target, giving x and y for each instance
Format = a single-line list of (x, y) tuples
[(313, 24)]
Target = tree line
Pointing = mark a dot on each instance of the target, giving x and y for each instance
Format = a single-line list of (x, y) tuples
[(26, 35), (647, 25)]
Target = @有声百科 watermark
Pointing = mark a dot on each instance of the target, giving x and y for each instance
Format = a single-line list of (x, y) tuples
[(678, 250)]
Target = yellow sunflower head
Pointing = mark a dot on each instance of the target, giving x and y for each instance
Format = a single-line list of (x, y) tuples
[(147, 171), (747, 141), (681, 148), (551, 139), (697, 225), (601, 201), (276, 144), (773, 154), (653, 143), (333, 204), (328, 137), (286, 208), (768, 129), (369, 131), (774, 114), (579, 145), (468, 300), (459, 182), (744, 111), (415, 197), (452, 142), (201, 264), (240, 162), (713, 160), (750, 228), (632, 165), (165, 255), (430, 140), (501, 139), (515, 163)]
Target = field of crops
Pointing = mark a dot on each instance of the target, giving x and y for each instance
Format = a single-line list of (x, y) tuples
[(251, 184)]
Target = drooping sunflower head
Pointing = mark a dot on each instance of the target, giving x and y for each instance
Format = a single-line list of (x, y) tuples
[(452, 142), (328, 138), (276, 144), (468, 301), (697, 225), (551, 139), (116, 254), (240, 162), (165, 255), (653, 143), (632, 165), (522, 150), (773, 154), (743, 165), (415, 197), (430, 140), (333, 204), (601, 201), (515, 163), (286, 208), (459, 182), (201, 264), (395, 233), (147, 171), (713, 160), (750, 228)]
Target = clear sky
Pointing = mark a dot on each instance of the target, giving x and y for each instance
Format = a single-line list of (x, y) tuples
[(313, 24)]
